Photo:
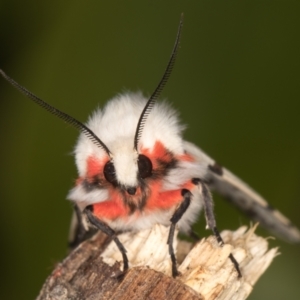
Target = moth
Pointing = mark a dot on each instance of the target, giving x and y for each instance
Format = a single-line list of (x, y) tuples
[(135, 170)]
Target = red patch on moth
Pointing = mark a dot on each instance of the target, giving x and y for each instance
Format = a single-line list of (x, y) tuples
[(167, 199), (163, 200), (114, 207), (110, 209), (94, 166), (158, 152)]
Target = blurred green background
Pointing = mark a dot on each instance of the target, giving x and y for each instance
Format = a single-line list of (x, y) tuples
[(235, 83)]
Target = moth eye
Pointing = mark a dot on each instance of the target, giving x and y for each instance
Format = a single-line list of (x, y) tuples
[(145, 166), (110, 172)]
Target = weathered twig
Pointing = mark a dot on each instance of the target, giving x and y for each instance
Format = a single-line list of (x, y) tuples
[(91, 270)]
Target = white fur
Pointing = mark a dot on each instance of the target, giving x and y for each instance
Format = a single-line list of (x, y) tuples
[(79, 195), (125, 162), (184, 172), (115, 125)]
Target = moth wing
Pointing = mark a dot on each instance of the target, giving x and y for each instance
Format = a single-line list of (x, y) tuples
[(244, 197)]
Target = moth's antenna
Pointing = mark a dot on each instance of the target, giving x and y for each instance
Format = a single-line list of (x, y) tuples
[(150, 103), (78, 125)]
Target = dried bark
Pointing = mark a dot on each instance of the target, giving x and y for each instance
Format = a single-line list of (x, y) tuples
[(91, 270)]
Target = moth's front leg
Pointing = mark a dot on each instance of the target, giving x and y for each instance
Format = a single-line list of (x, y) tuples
[(181, 209), (109, 231), (79, 230), (210, 218)]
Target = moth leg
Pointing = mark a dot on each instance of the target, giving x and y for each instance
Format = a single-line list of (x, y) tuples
[(181, 209), (109, 231), (210, 219), (79, 231)]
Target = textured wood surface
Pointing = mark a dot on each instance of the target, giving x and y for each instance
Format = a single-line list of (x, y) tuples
[(92, 270), (84, 275)]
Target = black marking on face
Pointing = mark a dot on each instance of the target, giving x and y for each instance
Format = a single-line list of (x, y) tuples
[(131, 190), (134, 202), (145, 166), (168, 165), (132, 206), (88, 186), (164, 165), (110, 173), (92, 184), (216, 168)]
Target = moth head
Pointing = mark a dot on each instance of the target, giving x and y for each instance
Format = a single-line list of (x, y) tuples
[(128, 171), (127, 166), (121, 125), (161, 136)]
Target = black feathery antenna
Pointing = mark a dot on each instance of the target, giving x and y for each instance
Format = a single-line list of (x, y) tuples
[(75, 123), (150, 103)]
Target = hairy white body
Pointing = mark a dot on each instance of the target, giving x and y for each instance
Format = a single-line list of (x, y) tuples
[(115, 125)]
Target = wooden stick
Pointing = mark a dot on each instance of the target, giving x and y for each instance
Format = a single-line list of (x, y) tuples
[(91, 270)]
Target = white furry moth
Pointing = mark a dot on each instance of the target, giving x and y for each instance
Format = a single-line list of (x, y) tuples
[(135, 170)]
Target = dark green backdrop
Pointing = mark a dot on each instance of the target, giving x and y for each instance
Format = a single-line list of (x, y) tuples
[(236, 84)]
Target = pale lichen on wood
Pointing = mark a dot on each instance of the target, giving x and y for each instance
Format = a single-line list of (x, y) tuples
[(206, 271)]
